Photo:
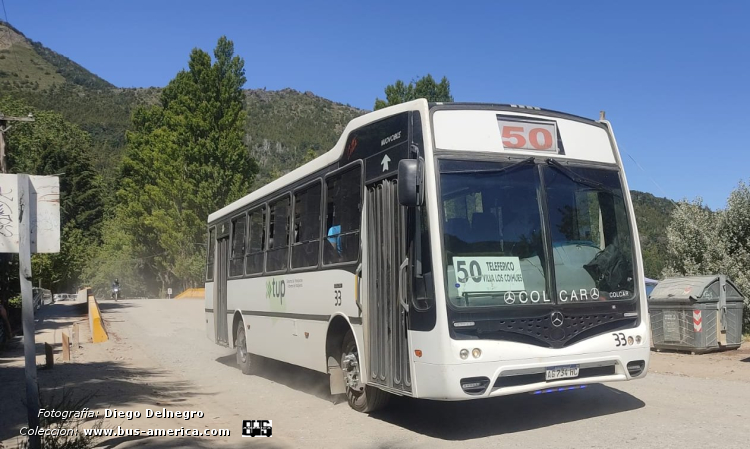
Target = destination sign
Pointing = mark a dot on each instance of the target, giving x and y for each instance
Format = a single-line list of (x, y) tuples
[(528, 134), (488, 274)]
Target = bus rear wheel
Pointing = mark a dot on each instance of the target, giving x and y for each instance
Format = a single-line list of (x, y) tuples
[(246, 361), (362, 398)]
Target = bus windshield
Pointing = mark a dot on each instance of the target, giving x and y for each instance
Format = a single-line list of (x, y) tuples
[(499, 233)]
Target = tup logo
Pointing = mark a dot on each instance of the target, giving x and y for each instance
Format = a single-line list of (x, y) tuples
[(275, 288)]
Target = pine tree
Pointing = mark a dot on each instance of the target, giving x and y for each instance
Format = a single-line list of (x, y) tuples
[(425, 87), (186, 158)]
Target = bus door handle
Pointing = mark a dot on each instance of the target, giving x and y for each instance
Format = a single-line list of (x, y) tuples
[(402, 284), (358, 290)]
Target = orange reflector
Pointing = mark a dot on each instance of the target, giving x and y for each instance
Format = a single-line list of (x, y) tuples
[(418, 352)]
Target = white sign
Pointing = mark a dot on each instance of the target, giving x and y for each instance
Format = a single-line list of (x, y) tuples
[(528, 135), (45, 214), (169, 291), (488, 274)]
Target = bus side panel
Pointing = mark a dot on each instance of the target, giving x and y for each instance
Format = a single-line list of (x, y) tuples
[(299, 342), (209, 308), (288, 314)]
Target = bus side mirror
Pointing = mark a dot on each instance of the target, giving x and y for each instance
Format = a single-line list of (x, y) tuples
[(410, 182)]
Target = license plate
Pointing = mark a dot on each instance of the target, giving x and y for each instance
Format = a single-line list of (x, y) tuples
[(562, 372)]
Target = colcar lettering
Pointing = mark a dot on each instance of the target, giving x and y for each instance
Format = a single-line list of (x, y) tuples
[(580, 295)]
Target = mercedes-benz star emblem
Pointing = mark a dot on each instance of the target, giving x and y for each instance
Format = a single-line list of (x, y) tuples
[(556, 318)]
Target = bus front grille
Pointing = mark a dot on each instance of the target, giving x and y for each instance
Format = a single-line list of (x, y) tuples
[(538, 331)]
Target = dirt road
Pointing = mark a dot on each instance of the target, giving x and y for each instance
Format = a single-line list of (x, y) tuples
[(159, 357)]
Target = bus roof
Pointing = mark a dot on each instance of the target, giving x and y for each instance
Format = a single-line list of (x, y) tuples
[(518, 108), (334, 155)]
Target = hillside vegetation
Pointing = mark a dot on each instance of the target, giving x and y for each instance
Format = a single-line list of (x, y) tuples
[(282, 126), (282, 130), (653, 216)]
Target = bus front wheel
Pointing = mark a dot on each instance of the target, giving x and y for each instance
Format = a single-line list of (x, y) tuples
[(362, 398), (244, 359)]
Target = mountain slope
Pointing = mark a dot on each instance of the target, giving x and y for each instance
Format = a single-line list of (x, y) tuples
[(282, 127), (653, 216), (21, 67)]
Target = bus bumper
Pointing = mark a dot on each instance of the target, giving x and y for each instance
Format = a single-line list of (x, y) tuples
[(476, 379)]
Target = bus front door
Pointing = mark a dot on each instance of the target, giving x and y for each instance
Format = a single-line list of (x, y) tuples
[(386, 304), (220, 294)]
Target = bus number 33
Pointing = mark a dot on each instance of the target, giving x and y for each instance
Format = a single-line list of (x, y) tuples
[(337, 298)]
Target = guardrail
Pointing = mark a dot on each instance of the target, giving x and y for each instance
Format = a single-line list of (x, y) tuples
[(192, 293), (96, 323)]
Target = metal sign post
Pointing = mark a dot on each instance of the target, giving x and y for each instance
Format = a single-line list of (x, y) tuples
[(27, 305)]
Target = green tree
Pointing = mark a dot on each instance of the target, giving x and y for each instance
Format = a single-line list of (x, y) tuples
[(705, 242), (186, 158), (425, 87), (52, 146), (115, 258)]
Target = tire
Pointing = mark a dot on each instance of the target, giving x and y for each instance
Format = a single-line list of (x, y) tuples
[(371, 398), (247, 362)]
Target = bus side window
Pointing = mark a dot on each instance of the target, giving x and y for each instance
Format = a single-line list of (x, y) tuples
[(210, 255), (237, 258), (256, 241), (278, 235), (306, 246), (343, 205)]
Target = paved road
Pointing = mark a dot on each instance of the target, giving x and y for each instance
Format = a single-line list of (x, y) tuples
[(660, 411)]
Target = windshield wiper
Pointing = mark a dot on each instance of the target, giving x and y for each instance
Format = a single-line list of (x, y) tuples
[(527, 161), (575, 177)]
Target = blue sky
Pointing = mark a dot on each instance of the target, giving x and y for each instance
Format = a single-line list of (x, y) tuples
[(671, 75)]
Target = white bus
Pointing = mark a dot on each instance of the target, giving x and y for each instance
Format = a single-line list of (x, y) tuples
[(442, 251)]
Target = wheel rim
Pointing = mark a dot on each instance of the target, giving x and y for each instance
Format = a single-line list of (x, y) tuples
[(241, 349), (352, 373)]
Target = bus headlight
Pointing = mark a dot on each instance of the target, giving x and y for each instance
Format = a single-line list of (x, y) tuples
[(630, 340), (638, 339), (464, 354), (476, 353)]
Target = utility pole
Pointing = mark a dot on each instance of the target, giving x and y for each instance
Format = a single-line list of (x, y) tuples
[(4, 127), (27, 306)]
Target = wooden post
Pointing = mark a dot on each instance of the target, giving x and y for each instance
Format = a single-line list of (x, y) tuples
[(76, 336), (66, 347), (49, 357), (27, 305)]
